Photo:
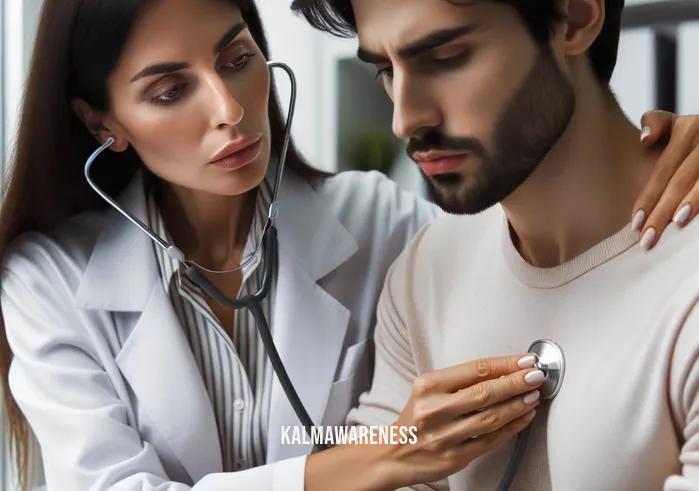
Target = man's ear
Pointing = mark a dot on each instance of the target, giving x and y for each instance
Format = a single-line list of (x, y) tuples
[(94, 122), (583, 24)]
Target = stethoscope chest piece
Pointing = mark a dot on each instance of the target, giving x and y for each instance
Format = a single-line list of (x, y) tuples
[(552, 362)]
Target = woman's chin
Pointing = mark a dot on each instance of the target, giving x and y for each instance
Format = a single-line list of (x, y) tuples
[(232, 182)]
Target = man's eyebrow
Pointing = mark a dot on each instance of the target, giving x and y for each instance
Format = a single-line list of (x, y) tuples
[(426, 43)]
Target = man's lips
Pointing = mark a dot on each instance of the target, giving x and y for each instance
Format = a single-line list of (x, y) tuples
[(433, 155), (439, 162)]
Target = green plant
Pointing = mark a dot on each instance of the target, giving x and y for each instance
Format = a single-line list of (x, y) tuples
[(375, 150)]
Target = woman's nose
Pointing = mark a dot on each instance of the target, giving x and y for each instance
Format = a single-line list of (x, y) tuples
[(225, 108)]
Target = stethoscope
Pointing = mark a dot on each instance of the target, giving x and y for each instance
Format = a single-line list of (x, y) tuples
[(550, 359)]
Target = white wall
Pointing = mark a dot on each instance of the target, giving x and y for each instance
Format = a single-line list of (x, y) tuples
[(688, 59), (13, 66), (633, 78), (18, 30), (293, 42), (17, 27)]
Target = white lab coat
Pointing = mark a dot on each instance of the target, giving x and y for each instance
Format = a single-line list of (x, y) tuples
[(104, 373)]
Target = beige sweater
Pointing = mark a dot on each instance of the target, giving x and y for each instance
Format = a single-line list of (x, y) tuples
[(627, 416)]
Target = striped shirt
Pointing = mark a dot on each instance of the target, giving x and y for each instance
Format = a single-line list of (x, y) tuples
[(236, 372)]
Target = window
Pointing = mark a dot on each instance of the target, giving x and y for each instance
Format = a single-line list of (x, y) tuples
[(18, 20)]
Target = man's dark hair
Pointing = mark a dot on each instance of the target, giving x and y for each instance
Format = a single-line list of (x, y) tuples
[(540, 16)]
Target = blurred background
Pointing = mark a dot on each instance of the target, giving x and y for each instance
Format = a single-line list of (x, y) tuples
[(343, 117)]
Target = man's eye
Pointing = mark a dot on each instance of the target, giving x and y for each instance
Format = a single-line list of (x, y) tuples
[(384, 72), (450, 61)]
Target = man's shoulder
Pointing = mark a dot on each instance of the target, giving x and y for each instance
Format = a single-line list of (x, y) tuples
[(673, 263), (675, 254)]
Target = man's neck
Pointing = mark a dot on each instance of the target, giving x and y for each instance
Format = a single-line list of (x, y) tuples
[(584, 191)]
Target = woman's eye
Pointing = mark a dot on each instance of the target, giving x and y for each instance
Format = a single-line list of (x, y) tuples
[(241, 61), (170, 94)]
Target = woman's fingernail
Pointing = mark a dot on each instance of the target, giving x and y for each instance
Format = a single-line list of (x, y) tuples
[(638, 220), (531, 397), (530, 415), (645, 133), (683, 214), (535, 377), (527, 361), (648, 238)]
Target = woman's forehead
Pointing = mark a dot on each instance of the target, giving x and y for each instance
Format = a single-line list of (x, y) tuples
[(178, 31)]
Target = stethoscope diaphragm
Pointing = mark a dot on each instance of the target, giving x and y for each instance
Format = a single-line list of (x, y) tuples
[(551, 361)]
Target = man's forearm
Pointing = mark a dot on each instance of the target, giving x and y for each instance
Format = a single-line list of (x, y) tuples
[(351, 467)]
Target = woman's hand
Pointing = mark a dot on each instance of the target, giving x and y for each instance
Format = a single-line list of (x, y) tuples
[(672, 192), (461, 413)]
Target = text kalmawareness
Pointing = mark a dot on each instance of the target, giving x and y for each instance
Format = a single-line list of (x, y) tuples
[(341, 435)]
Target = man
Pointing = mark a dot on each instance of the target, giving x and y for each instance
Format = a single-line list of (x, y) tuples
[(508, 103)]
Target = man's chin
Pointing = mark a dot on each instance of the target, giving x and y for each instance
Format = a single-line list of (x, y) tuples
[(453, 195), (447, 181), (452, 207), (457, 201)]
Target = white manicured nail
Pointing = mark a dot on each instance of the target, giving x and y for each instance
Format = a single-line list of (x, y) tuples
[(532, 397), (534, 377), (645, 133), (530, 415), (648, 238), (683, 214), (638, 220), (527, 361)]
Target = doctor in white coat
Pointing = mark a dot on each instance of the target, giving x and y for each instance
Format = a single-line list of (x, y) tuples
[(105, 374), (128, 376)]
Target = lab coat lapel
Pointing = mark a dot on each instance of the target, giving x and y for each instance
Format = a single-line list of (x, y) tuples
[(309, 324), (156, 359)]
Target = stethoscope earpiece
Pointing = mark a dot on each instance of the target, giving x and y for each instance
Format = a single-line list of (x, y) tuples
[(551, 361)]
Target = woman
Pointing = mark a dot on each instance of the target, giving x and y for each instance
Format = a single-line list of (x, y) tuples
[(129, 376)]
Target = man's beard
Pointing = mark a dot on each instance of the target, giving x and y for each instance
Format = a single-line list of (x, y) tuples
[(525, 133)]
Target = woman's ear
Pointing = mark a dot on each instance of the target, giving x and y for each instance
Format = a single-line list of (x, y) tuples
[(94, 122), (583, 23)]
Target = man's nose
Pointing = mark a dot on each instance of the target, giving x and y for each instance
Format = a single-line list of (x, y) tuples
[(414, 107)]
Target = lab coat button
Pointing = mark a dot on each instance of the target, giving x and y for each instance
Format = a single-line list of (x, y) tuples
[(239, 404)]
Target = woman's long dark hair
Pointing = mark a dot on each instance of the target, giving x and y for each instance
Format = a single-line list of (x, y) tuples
[(78, 43)]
